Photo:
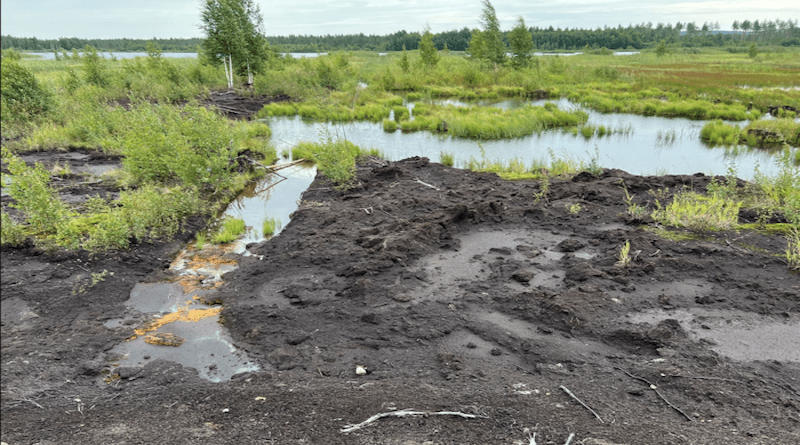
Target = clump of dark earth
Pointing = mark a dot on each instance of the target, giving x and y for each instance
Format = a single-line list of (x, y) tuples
[(463, 294)]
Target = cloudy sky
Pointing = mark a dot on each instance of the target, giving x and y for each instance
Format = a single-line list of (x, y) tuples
[(49, 19)]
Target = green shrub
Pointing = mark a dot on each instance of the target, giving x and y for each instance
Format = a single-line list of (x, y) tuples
[(192, 145), (21, 94), (11, 233), (33, 195), (94, 67)]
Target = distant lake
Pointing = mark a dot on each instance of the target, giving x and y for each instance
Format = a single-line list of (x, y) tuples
[(109, 55)]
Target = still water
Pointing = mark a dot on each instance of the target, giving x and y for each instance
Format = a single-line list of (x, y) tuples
[(649, 145)]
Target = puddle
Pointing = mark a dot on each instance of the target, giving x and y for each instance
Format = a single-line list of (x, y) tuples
[(173, 321), (736, 334), (180, 327), (470, 261)]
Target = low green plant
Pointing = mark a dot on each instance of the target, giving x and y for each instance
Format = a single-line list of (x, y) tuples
[(200, 240), (335, 158), (632, 208), (771, 133), (30, 188), (698, 212), (446, 158), (574, 208), (11, 233), (793, 250), (717, 132), (270, 226), (230, 231), (389, 125), (625, 255), (544, 189)]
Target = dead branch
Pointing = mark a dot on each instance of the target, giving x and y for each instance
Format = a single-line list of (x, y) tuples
[(426, 184), (31, 401), (581, 402), (655, 388), (403, 413), (569, 439)]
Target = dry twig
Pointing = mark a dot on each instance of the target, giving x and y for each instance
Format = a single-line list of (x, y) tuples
[(426, 184), (655, 388), (581, 402), (403, 413)]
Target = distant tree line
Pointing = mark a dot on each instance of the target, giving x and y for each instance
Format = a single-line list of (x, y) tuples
[(777, 32), (114, 45)]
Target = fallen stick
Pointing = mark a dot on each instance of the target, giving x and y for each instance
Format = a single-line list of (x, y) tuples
[(569, 439), (655, 388), (31, 401), (581, 402), (426, 184), (403, 413), (276, 167)]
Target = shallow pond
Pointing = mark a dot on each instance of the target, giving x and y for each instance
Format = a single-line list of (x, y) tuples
[(648, 145)]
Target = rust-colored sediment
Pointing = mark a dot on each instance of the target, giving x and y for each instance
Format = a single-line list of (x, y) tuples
[(183, 314)]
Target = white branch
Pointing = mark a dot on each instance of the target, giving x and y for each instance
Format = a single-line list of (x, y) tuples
[(403, 413)]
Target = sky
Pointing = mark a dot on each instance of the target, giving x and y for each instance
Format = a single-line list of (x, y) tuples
[(144, 19)]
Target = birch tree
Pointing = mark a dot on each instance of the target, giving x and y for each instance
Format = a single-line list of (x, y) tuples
[(234, 36)]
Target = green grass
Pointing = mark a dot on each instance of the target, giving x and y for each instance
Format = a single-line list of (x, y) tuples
[(389, 125), (793, 250), (446, 158), (200, 240), (717, 132), (699, 213), (269, 226), (230, 231)]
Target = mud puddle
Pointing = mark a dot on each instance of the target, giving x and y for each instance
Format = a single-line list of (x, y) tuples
[(183, 321), (736, 334), (536, 253)]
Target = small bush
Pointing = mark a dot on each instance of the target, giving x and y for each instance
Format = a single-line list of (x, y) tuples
[(11, 233), (20, 92), (30, 188)]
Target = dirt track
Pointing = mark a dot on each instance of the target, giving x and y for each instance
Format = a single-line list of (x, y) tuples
[(456, 292)]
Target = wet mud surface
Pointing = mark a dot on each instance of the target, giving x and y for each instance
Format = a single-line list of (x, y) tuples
[(448, 291)]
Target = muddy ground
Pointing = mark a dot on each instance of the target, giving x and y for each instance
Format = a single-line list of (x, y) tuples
[(455, 292)]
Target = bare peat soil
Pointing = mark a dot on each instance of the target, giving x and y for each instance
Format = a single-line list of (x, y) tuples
[(455, 292)]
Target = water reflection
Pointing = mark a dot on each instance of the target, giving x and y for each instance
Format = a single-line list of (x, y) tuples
[(273, 197), (654, 145)]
